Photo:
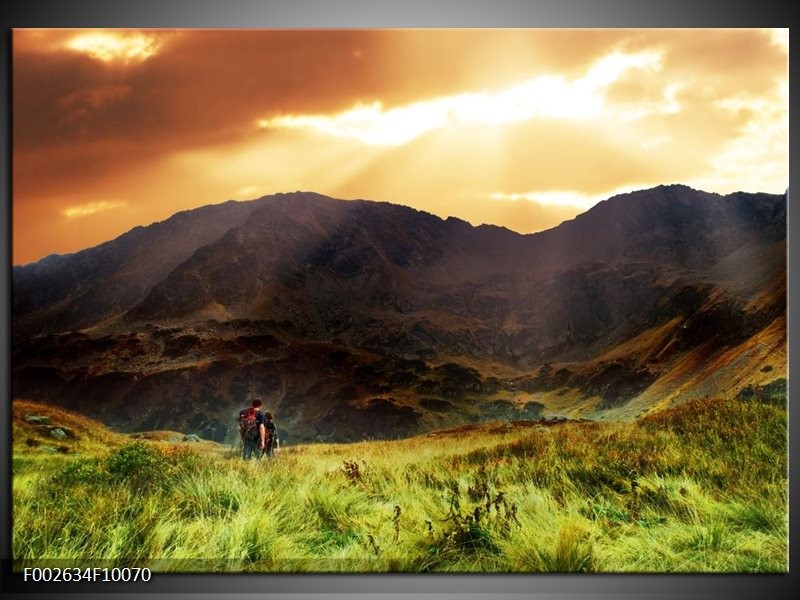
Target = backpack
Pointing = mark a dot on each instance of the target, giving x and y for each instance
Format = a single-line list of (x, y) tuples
[(272, 438), (248, 428), (272, 433)]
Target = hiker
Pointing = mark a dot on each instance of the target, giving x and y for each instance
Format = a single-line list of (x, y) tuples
[(271, 435), (252, 429)]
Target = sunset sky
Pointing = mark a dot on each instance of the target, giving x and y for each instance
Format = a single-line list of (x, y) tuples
[(519, 128)]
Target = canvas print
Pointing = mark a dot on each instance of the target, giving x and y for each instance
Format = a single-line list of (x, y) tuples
[(466, 301)]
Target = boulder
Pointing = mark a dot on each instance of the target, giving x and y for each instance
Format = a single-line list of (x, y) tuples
[(38, 419)]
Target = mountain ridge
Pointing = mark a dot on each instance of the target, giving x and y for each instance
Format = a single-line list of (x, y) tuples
[(348, 313)]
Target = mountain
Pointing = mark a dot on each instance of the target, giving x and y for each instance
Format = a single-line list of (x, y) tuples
[(362, 319), (67, 292)]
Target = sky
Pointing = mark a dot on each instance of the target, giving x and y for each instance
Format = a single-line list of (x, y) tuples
[(521, 128)]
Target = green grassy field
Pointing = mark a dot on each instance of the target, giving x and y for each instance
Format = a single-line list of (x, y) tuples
[(698, 488)]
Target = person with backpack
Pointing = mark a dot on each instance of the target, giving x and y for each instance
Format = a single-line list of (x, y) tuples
[(271, 435), (252, 429)]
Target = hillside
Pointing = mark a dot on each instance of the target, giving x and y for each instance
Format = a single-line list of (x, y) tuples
[(361, 320), (43, 430), (697, 488)]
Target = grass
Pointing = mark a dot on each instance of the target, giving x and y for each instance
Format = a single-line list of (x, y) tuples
[(697, 488)]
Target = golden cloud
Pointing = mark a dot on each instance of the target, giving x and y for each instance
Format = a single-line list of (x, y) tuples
[(106, 46), (91, 208), (545, 96), (534, 125)]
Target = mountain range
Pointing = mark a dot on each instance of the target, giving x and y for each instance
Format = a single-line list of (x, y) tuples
[(359, 319)]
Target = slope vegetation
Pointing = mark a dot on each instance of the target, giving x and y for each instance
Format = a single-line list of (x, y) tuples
[(697, 488)]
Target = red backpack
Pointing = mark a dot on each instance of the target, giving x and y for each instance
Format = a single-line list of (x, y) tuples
[(247, 423)]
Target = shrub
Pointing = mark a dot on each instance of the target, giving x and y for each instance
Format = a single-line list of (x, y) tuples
[(81, 470), (138, 463)]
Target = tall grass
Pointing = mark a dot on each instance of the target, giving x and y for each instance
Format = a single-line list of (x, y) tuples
[(698, 488)]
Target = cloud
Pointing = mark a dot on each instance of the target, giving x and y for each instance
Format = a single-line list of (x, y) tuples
[(560, 198), (91, 208), (247, 191), (525, 113), (107, 46), (759, 152), (780, 37), (82, 105), (546, 96), (657, 141), (97, 97)]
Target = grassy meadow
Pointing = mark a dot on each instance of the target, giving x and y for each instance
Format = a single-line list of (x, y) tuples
[(697, 488)]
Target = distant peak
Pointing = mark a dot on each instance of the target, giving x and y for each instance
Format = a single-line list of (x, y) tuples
[(300, 195)]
